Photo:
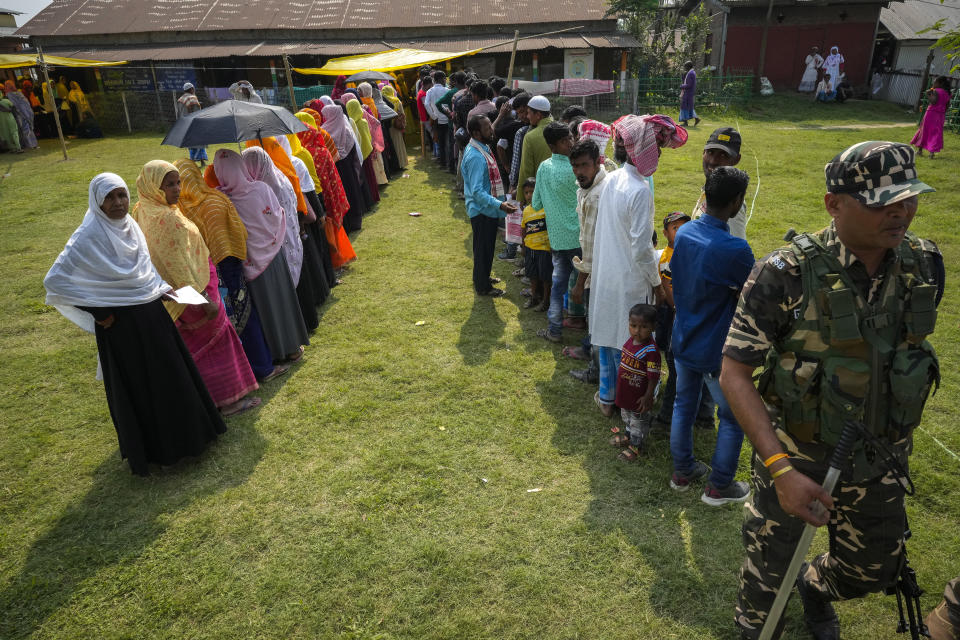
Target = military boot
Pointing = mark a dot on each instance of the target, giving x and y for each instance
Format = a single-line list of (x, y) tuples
[(818, 614)]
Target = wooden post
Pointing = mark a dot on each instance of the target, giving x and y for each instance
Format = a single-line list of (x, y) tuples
[(126, 112), (513, 56), (763, 47), (924, 80), (56, 106), (156, 90), (293, 96)]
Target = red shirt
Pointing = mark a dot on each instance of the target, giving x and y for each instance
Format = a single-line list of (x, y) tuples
[(422, 110), (639, 368)]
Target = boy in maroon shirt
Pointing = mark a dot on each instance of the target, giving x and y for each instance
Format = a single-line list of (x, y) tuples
[(637, 379)]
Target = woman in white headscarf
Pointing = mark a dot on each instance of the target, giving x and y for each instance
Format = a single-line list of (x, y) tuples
[(105, 282), (832, 65)]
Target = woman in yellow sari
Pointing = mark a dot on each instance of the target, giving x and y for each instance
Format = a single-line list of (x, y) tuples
[(181, 257)]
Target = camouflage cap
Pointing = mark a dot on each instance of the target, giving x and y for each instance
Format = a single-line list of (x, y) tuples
[(876, 173)]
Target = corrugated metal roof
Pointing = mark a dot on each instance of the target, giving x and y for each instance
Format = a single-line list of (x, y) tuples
[(342, 47), (83, 17), (904, 20), (559, 41), (219, 50)]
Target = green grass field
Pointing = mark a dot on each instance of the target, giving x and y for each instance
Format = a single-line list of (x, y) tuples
[(383, 489)]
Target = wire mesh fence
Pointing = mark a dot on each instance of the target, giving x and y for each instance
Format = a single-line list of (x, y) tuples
[(953, 112), (715, 89)]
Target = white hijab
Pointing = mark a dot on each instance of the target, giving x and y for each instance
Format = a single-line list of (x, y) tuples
[(105, 262), (303, 174)]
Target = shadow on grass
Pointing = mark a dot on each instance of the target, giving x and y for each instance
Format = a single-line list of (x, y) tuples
[(689, 551), (119, 517), (481, 333)]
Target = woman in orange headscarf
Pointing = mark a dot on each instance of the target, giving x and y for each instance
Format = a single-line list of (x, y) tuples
[(282, 162), (181, 257)]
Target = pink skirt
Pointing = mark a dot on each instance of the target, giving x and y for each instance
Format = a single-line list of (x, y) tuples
[(216, 349)]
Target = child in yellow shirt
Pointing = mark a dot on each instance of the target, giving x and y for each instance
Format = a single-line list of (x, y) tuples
[(537, 262)]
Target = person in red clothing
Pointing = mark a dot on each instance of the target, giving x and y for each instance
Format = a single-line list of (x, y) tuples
[(425, 84), (637, 379)]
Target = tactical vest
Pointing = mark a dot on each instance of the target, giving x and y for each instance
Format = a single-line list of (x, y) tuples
[(846, 359)]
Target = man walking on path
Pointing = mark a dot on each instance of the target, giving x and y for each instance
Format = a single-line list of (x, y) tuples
[(483, 193)]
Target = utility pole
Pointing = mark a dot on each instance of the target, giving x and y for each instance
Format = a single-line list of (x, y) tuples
[(293, 96), (56, 107)]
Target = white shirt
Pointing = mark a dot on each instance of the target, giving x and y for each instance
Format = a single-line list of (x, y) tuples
[(430, 103), (625, 265)]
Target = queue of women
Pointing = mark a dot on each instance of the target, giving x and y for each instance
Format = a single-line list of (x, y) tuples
[(261, 236), (26, 113)]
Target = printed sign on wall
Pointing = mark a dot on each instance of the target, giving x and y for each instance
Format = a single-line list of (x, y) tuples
[(578, 63)]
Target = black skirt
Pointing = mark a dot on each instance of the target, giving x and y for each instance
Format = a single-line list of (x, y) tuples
[(349, 170), (159, 404)]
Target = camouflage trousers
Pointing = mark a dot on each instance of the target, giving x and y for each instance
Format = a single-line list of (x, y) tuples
[(944, 621), (866, 542)]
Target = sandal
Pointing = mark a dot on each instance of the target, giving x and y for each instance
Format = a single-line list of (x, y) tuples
[(543, 306), (605, 409), (629, 454), (531, 302), (518, 273), (296, 355), (620, 440), (247, 404), (527, 293), (278, 371), (574, 352)]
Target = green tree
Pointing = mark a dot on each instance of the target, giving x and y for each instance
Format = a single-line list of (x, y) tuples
[(657, 32)]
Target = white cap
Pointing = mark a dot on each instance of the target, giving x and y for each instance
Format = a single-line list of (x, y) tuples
[(187, 86), (539, 103)]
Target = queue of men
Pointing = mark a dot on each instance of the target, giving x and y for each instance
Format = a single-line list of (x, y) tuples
[(836, 321)]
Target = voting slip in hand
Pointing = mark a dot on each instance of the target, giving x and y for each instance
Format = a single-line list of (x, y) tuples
[(187, 295)]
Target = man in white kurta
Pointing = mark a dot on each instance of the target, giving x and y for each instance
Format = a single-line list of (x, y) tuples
[(625, 268)]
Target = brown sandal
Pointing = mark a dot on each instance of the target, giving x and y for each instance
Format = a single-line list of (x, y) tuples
[(630, 454)]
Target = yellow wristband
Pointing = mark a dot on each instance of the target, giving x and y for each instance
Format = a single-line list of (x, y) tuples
[(777, 474), (777, 456)]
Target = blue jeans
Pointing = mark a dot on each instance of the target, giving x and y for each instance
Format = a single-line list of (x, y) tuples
[(726, 455), (609, 362), (562, 268)]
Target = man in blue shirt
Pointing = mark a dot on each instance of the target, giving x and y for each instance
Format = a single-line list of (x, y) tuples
[(709, 268), (483, 193)]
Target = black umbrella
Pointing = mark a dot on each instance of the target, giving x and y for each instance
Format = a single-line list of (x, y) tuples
[(367, 76), (231, 121)]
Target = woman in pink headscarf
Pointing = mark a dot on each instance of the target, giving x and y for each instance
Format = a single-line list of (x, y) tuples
[(266, 271), (930, 134), (349, 166)]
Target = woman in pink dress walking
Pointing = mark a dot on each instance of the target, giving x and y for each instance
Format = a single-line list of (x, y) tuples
[(930, 134)]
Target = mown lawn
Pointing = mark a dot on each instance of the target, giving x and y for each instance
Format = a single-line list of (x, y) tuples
[(383, 490)]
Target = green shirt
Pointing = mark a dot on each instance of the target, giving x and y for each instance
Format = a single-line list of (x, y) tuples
[(556, 193), (533, 152)]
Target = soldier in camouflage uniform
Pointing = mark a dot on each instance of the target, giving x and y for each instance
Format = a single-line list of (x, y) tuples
[(837, 320)]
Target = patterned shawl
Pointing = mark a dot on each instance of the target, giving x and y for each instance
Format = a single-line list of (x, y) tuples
[(176, 245), (212, 212)]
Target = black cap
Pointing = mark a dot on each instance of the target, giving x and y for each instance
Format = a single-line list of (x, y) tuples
[(726, 139)]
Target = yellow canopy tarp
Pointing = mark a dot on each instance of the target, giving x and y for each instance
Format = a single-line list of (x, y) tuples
[(15, 60), (384, 61)]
